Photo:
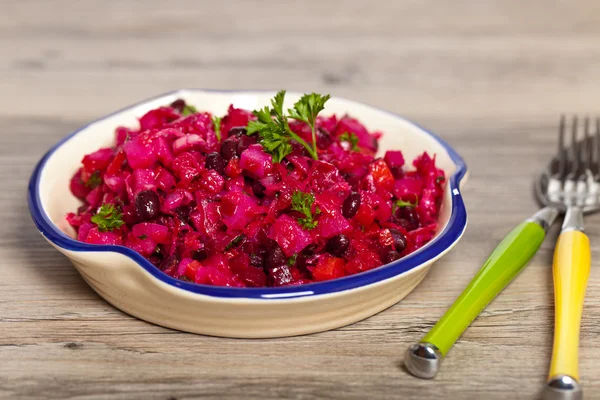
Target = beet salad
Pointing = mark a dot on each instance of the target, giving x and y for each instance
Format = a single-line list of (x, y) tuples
[(270, 197)]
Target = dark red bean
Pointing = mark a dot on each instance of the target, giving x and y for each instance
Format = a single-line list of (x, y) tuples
[(337, 245), (410, 215), (399, 240), (309, 250), (403, 223), (391, 256), (351, 205), (243, 143), (178, 105), (237, 131), (215, 161), (229, 148), (147, 205), (275, 257), (258, 189), (200, 254), (307, 256)]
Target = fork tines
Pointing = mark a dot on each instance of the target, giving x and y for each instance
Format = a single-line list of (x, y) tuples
[(578, 166)]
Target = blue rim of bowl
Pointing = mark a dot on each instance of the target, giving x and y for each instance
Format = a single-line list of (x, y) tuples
[(454, 229)]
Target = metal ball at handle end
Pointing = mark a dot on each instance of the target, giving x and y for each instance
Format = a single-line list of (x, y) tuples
[(423, 360), (563, 387)]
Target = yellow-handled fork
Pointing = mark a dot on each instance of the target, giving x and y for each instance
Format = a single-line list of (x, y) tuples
[(572, 187)]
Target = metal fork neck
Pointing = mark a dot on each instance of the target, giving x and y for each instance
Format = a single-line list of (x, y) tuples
[(545, 217), (573, 219)]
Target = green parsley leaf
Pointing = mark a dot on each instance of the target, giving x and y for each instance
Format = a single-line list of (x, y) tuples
[(308, 107), (401, 203), (306, 110), (188, 110), (308, 222), (303, 202), (235, 242), (273, 132), (350, 138), (108, 218), (217, 127), (277, 103), (273, 128), (292, 260), (94, 181)]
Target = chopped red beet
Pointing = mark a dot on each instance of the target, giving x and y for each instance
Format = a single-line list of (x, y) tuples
[(205, 202)]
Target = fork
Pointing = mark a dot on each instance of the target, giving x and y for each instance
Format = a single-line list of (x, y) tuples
[(572, 186), (424, 358)]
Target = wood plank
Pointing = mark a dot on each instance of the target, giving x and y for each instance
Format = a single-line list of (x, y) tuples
[(489, 76)]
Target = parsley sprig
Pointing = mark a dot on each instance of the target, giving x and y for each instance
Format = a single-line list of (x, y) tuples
[(235, 242), (401, 203), (108, 218), (350, 138), (292, 260), (306, 110), (94, 180), (188, 110), (217, 127), (274, 130), (303, 202)]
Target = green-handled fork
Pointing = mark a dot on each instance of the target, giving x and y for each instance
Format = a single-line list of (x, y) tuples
[(503, 265), (506, 261)]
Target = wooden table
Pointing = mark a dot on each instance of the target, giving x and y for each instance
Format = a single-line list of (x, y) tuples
[(491, 77)]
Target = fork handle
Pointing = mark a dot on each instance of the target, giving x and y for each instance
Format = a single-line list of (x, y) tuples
[(506, 261), (570, 269)]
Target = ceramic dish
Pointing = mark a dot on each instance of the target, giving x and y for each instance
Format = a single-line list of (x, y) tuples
[(131, 283)]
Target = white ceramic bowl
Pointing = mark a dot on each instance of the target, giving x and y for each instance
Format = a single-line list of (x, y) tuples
[(129, 282)]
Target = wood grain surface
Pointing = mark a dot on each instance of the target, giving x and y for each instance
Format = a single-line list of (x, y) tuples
[(491, 77)]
